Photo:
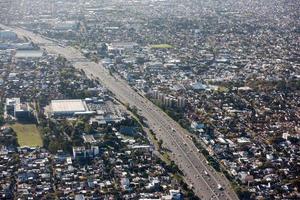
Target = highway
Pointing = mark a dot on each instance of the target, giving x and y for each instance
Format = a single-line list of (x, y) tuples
[(201, 176)]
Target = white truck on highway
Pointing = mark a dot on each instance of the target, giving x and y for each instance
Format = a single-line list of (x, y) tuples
[(220, 187)]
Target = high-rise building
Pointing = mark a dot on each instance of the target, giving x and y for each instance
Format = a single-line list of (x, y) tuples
[(167, 101), (181, 102)]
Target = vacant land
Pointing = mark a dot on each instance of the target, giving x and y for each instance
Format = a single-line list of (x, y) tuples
[(28, 135), (161, 46)]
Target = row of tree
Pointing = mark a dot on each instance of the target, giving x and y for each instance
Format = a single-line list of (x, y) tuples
[(2, 121)]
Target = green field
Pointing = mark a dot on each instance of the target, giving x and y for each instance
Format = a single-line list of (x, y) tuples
[(28, 135), (161, 46)]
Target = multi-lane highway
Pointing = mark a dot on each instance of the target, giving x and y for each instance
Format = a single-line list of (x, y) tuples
[(201, 176)]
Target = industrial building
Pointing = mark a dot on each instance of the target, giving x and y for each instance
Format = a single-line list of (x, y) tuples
[(69, 108), (7, 35), (28, 54)]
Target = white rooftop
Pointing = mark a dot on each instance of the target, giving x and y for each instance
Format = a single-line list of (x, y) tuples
[(67, 106), (29, 54)]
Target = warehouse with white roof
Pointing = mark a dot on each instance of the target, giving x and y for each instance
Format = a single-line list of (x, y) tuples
[(68, 107)]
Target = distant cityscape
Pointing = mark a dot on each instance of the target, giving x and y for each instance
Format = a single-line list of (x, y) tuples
[(152, 99)]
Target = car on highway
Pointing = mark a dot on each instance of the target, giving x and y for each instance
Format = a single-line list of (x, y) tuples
[(205, 172)]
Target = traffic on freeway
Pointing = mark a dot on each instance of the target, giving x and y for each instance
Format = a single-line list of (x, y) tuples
[(205, 181)]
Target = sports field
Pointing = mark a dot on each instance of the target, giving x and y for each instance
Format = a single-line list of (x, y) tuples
[(28, 135)]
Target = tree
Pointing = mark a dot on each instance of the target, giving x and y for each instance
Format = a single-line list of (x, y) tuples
[(50, 196), (88, 128), (134, 110), (184, 123), (160, 142), (1, 120), (80, 125), (54, 146)]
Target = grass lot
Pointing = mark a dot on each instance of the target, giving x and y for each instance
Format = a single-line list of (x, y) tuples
[(166, 158), (223, 89), (28, 135), (161, 46)]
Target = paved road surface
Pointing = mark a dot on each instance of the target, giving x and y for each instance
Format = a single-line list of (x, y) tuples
[(201, 176)]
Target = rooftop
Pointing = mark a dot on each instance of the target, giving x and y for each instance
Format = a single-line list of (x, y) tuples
[(29, 54), (73, 105)]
